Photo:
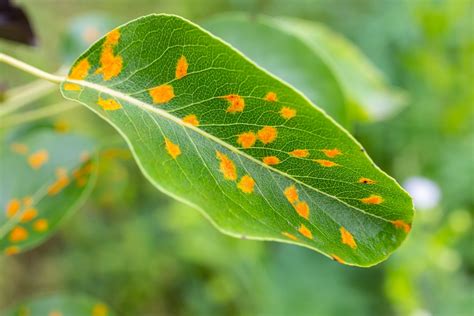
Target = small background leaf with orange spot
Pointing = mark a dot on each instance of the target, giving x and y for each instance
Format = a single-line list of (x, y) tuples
[(61, 305), (39, 191)]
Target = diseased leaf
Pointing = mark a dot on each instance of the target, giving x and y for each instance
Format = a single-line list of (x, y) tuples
[(312, 57), (44, 176), (285, 55), (213, 130), (61, 305)]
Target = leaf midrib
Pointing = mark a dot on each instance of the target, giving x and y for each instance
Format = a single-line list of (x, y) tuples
[(147, 107)]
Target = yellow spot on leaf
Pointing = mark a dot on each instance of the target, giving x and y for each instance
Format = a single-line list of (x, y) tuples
[(191, 119), (291, 194), (61, 126), (247, 139), (302, 209), (12, 250), (172, 148), (366, 181), (338, 259), (305, 232), (62, 180), (181, 67), (109, 104), (287, 113), (399, 224), (19, 148), (110, 64), (246, 184), (267, 134), (27, 201), (331, 153), (13, 206), (18, 234), (237, 103), (300, 153), (373, 199), (41, 225), (326, 163), (271, 96), (72, 87), (227, 166), (162, 94), (290, 236), (29, 214), (55, 313), (100, 309), (80, 70), (347, 238), (271, 160), (37, 159)]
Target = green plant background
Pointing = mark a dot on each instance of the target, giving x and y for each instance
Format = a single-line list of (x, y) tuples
[(145, 254)]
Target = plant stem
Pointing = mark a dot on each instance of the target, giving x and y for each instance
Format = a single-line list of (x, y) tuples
[(30, 69), (38, 114)]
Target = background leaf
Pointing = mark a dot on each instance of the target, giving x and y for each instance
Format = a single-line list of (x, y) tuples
[(211, 129), (44, 177)]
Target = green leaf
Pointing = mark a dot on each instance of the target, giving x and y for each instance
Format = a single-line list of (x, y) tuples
[(303, 53), (285, 55), (44, 177), (61, 305), (210, 128)]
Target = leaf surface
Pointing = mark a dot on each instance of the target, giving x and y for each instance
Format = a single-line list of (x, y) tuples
[(212, 129), (313, 58), (44, 176)]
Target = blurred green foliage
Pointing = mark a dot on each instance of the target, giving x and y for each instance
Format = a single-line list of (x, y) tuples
[(145, 254)]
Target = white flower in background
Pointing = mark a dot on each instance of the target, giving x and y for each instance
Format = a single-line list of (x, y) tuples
[(425, 192)]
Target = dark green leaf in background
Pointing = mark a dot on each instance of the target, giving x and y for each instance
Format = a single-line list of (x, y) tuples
[(44, 176), (259, 160)]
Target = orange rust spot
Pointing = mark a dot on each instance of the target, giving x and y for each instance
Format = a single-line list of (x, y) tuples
[(27, 201), (326, 163), (62, 180), (100, 309), (191, 119), (373, 199), (162, 94), (290, 236), (305, 232), (80, 174), (271, 160), (300, 153), (41, 225), (399, 224), (172, 148), (246, 184), (347, 238), (37, 159), (267, 134), (287, 113), (13, 206), (12, 250), (19, 148), (110, 64), (55, 313), (366, 181), (72, 87), (18, 234), (331, 153), (226, 166), (237, 103), (338, 259), (80, 70), (28, 215), (181, 67), (109, 104), (247, 139), (271, 96), (291, 194), (302, 209)]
